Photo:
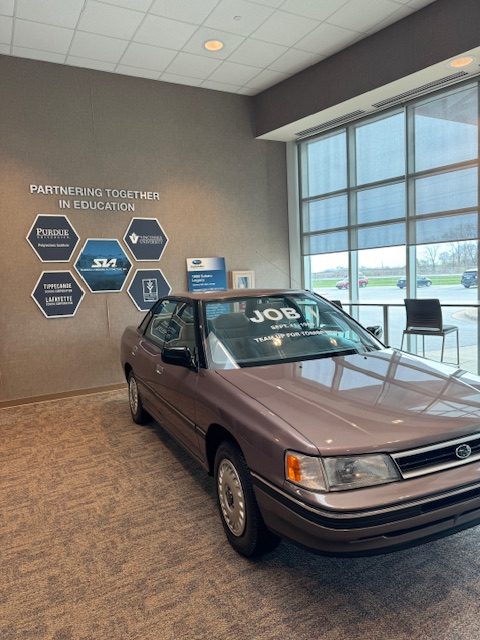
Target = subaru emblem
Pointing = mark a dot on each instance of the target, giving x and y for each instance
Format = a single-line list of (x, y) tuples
[(463, 451)]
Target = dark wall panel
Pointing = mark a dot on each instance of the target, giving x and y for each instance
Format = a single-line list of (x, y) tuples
[(437, 32)]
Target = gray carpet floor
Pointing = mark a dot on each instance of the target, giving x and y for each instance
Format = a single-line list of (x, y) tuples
[(109, 530)]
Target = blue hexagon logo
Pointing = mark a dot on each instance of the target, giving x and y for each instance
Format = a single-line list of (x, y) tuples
[(148, 286), (53, 238), (103, 265), (145, 239), (57, 294)]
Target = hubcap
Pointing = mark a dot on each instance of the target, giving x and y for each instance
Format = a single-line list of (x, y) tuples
[(232, 499), (133, 395)]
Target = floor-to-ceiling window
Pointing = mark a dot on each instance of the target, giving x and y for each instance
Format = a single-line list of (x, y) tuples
[(389, 209)]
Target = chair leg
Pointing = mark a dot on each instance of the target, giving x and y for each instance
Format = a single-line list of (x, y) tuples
[(401, 344), (458, 350), (423, 345), (443, 347)]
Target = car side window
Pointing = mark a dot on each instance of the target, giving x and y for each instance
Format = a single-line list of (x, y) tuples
[(181, 330), (160, 321)]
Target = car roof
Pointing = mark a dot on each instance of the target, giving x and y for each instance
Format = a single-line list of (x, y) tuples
[(233, 293)]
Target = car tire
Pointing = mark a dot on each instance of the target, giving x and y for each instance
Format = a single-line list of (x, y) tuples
[(428, 283), (467, 286), (139, 415), (241, 518)]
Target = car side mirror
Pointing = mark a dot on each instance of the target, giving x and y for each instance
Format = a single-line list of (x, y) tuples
[(376, 330), (180, 356)]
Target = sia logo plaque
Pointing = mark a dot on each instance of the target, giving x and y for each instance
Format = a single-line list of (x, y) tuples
[(103, 265), (148, 286), (57, 294)]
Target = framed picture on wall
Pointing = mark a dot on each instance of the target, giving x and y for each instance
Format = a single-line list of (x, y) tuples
[(243, 279)]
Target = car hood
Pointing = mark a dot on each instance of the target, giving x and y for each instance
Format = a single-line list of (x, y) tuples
[(382, 401)]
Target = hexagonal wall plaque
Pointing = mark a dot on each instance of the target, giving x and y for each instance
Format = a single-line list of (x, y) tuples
[(146, 287), (53, 238), (57, 294), (145, 239), (103, 265)]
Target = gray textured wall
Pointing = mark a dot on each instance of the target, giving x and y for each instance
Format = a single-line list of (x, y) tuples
[(221, 193)]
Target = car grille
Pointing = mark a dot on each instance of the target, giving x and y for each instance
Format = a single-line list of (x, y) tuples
[(444, 455)]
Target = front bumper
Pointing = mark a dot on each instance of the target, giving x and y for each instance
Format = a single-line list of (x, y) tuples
[(367, 532)]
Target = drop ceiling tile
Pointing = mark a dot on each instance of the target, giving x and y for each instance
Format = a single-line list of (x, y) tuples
[(163, 32), (194, 11), (318, 10), (147, 57), (233, 73), (361, 15), (419, 4), (6, 29), (90, 64), (110, 21), (186, 64), (220, 86), (6, 7), (247, 91), (327, 39), (33, 54), (196, 42), (42, 36), (85, 45), (285, 28), (237, 16), (268, 3), (137, 72), (171, 77), (401, 12), (5, 48), (295, 60), (265, 79), (54, 12), (257, 53), (137, 5)]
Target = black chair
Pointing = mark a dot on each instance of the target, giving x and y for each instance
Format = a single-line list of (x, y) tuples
[(424, 318)]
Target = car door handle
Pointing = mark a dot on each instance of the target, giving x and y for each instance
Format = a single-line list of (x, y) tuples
[(159, 369), (134, 350)]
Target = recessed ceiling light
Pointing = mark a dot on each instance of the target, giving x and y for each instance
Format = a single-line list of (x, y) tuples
[(464, 61), (213, 45)]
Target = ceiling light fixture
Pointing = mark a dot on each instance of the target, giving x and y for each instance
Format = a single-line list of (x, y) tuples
[(213, 45), (464, 61)]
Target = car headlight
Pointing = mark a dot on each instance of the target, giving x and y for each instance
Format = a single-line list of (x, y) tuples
[(352, 472), (340, 473), (306, 471)]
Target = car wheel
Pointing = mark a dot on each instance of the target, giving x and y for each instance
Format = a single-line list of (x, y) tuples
[(139, 415), (428, 283), (241, 517), (467, 286)]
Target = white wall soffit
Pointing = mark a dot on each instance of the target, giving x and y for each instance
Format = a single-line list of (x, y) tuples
[(363, 105)]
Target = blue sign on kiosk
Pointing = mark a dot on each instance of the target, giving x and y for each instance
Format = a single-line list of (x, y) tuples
[(206, 274)]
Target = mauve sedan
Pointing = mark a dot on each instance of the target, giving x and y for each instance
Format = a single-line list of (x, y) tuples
[(313, 430)]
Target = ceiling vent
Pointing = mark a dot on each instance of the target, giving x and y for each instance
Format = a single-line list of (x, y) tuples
[(422, 89), (328, 125)]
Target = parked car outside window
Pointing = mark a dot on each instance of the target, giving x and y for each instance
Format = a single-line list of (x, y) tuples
[(344, 283), (470, 278), (422, 281), (312, 429)]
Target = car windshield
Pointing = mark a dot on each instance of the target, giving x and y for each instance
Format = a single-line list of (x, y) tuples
[(258, 330)]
